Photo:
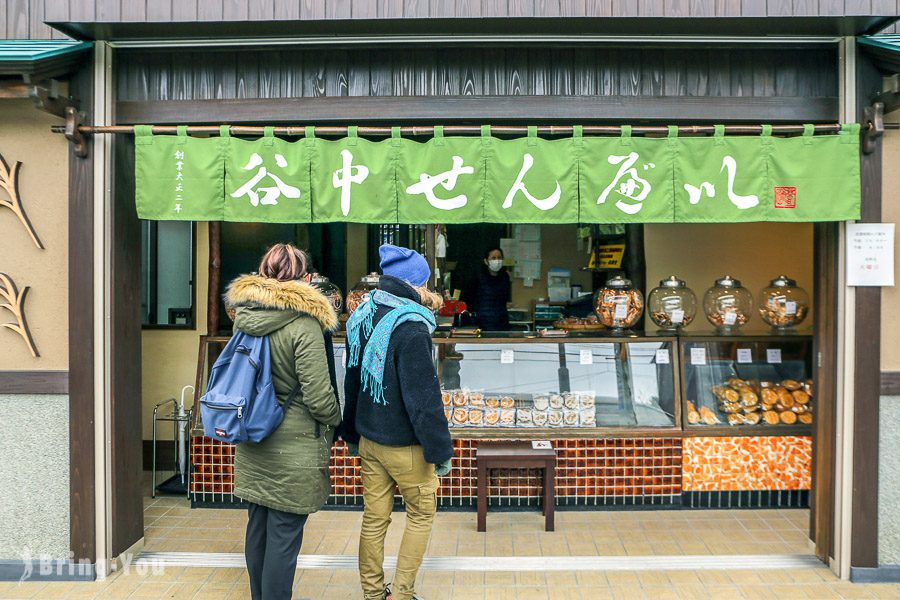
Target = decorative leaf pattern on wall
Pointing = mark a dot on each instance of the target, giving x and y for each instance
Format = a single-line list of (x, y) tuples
[(12, 300), (9, 181)]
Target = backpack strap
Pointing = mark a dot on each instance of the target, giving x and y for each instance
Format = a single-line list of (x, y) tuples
[(290, 401), (291, 397)]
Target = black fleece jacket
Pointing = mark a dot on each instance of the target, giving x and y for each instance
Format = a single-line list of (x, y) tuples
[(413, 414)]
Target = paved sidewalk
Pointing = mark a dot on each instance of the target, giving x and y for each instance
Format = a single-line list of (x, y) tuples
[(171, 526), (225, 584)]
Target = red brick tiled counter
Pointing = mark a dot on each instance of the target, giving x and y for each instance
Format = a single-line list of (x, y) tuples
[(603, 472)]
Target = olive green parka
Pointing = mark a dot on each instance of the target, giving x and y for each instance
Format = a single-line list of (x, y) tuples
[(288, 470)]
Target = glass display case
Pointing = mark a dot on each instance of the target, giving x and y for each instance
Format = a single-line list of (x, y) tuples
[(589, 385), (516, 385), (747, 383)]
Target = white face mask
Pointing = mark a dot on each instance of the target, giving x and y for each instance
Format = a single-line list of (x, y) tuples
[(495, 264)]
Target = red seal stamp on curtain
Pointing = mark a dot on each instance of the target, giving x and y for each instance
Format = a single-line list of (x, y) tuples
[(785, 196)]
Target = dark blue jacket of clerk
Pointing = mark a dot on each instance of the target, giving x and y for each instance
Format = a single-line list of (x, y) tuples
[(494, 291), (411, 413)]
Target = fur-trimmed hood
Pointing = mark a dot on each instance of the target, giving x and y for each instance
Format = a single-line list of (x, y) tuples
[(274, 303)]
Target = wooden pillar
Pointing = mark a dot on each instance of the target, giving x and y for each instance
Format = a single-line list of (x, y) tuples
[(867, 359), (126, 409), (634, 261), (82, 523), (214, 285)]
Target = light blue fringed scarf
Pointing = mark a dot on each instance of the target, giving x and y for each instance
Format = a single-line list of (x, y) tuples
[(402, 310)]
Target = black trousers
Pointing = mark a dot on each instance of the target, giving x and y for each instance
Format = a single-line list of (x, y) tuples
[(272, 545)]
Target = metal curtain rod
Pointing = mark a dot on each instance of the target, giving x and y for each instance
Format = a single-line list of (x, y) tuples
[(455, 129)]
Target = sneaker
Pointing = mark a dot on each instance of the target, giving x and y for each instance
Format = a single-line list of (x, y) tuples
[(388, 596)]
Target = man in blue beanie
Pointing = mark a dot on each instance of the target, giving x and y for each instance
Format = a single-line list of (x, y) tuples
[(394, 418)]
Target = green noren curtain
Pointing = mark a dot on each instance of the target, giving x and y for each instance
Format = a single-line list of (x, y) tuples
[(624, 179)]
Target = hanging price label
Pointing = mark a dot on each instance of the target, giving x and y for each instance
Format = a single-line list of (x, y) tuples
[(730, 317), (586, 357), (662, 357), (773, 356), (507, 356), (698, 356), (790, 308), (621, 311), (744, 355), (677, 316)]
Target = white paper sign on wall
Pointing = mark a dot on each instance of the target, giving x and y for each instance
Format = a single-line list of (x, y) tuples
[(870, 254)]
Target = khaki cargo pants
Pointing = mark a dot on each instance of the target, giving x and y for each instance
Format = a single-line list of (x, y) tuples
[(383, 469)]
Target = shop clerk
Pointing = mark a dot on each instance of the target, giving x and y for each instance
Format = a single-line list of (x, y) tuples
[(493, 292)]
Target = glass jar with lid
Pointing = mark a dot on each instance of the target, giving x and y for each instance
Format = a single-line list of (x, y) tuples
[(360, 291), (618, 304), (329, 290), (672, 304), (728, 304), (782, 304)]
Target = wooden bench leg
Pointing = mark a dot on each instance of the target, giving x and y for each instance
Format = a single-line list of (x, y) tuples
[(549, 498), (482, 498)]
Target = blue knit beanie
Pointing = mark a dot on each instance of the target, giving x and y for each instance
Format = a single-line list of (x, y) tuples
[(404, 264)]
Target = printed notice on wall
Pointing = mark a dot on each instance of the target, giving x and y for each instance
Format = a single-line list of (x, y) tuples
[(870, 254)]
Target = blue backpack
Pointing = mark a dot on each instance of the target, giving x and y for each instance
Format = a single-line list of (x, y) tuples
[(239, 404)]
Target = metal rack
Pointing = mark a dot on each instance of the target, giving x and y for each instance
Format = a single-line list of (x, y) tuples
[(180, 417)]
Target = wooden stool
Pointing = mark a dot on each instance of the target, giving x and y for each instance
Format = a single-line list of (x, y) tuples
[(515, 455)]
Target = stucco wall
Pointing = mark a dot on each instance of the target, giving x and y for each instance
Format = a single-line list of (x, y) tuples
[(890, 296), (889, 466), (34, 437), (43, 187), (34, 477), (889, 482)]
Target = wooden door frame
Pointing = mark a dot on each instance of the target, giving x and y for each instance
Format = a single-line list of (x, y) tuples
[(826, 275)]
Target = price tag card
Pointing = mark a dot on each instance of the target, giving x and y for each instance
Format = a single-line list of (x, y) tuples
[(730, 317), (790, 308), (541, 445), (621, 311), (662, 357), (698, 356), (586, 357), (677, 316), (773, 356), (507, 356), (744, 355)]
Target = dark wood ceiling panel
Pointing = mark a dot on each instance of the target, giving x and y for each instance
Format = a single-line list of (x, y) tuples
[(481, 72)]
